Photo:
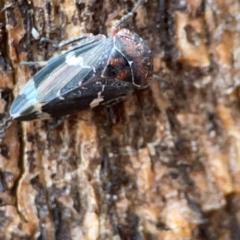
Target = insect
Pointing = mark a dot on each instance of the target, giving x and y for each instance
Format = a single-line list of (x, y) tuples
[(95, 71)]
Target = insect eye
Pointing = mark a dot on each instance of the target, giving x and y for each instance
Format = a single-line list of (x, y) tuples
[(111, 71)]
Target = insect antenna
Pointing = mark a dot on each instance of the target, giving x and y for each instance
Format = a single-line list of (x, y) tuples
[(128, 15)]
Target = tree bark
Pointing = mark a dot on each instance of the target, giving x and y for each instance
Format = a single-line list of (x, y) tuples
[(168, 168)]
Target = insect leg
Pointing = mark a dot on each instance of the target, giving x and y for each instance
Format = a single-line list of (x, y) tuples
[(37, 63), (68, 41), (114, 101), (57, 123), (84, 43), (75, 39), (110, 116)]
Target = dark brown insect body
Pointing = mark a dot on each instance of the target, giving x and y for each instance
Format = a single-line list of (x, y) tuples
[(95, 71)]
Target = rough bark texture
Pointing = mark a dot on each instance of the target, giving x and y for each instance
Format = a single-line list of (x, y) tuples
[(169, 168)]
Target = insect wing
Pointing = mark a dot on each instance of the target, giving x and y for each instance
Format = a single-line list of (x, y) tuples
[(78, 69), (63, 73)]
